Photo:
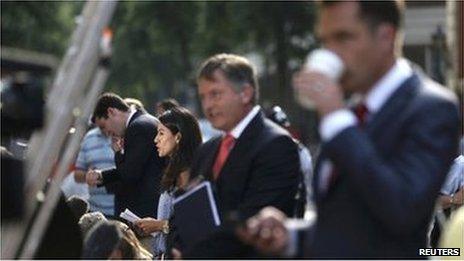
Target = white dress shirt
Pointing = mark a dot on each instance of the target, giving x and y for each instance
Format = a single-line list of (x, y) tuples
[(240, 127), (131, 113)]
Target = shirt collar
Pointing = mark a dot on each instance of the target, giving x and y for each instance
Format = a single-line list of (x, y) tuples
[(131, 113), (99, 132), (238, 130), (387, 85)]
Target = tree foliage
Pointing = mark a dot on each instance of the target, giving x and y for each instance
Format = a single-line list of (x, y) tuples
[(158, 45), (39, 26)]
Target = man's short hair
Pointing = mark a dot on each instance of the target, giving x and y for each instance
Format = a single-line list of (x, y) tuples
[(106, 101), (237, 69), (377, 12)]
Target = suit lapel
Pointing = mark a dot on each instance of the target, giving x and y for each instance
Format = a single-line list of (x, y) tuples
[(135, 116), (393, 107), (132, 119), (317, 174), (242, 145)]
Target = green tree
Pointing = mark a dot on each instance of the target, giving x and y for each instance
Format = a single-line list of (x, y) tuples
[(40, 26), (158, 45)]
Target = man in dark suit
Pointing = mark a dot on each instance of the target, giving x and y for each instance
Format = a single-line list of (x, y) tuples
[(136, 178), (254, 163), (259, 165), (381, 166)]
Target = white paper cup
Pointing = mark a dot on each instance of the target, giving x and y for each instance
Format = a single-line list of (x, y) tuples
[(325, 62)]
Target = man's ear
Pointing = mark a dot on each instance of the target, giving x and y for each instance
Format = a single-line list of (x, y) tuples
[(111, 111), (247, 94), (386, 34)]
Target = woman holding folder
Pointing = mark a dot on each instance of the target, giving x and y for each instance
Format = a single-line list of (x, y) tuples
[(178, 138)]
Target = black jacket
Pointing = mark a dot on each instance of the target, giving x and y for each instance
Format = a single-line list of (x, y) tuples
[(136, 178), (262, 170)]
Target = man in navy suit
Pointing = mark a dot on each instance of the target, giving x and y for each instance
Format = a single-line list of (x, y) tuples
[(136, 178), (260, 167), (254, 163), (382, 164)]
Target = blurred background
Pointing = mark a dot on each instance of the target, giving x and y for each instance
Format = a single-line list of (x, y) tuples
[(158, 45)]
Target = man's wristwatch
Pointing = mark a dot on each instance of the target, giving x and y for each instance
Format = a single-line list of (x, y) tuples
[(452, 199), (165, 227)]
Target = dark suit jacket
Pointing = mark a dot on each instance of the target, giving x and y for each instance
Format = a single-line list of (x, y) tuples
[(262, 170), (390, 173), (138, 171)]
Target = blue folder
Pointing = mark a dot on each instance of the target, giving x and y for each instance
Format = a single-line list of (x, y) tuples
[(196, 215)]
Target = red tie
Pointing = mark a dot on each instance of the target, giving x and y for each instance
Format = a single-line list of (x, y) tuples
[(226, 146), (361, 113)]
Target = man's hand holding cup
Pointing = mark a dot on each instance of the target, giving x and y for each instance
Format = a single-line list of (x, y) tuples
[(316, 85)]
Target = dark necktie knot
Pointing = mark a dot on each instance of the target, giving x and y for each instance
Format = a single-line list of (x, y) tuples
[(361, 113), (228, 141)]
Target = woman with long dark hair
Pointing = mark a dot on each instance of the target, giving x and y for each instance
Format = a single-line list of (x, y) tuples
[(178, 138)]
